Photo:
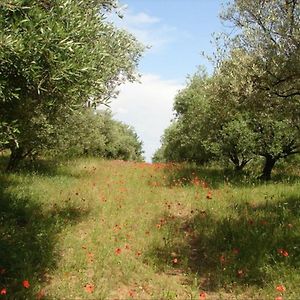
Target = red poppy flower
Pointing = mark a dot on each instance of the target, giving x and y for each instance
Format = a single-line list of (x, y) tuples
[(222, 259), (138, 253), (202, 296), (285, 253), (240, 273), (263, 222), (280, 288), (118, 251), (3, 291), (235, 251), (40, 295), (195, 181), (26, 284), (279, 298), (175, 260), (131, 293), (90, 257), (89, 288), (209, 195), (282, 252)]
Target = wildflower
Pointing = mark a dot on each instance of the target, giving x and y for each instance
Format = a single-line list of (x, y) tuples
[(222, 259), (204, 184), (279, 298), (131, 293), (118, 251), (138, 253), (202, 296), (3, 291), (280, 288), (235, 251), (209, 195), (40, 295), (263, 222), (89, 288), (175, 260), (240, 273), (282, 252), (90, 256), (195, 181), (26, 284)]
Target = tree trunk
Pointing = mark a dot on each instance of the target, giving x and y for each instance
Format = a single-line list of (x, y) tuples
[(238, 168), (241, 165), (17, 154), (269, 164)]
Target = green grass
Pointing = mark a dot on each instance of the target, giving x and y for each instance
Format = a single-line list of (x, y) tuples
[(94, 229)]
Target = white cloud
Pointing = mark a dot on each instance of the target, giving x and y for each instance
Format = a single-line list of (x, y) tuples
[(149, 30), (141, 19), (147, 106)]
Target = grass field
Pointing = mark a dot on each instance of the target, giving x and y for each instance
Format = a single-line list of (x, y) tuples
[(94, 229)]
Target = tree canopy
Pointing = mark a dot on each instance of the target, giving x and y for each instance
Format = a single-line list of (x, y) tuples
[(250, 105), (54, 57)]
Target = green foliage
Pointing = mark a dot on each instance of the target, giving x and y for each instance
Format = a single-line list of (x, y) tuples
[(250, 106), (64, 221), (234, 142), (158, 156), (269, 31), (54, 56), (184, 139), (121, 141), (278, 138), (94, 133), (7, 133)]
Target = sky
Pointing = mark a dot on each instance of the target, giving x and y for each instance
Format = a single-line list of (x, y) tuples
[(177, 32)]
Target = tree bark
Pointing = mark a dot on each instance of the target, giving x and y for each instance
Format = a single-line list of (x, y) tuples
[(17, 154), (268, 167), (239, 167)]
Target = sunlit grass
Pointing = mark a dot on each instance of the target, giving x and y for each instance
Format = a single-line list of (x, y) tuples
[(94, 229)]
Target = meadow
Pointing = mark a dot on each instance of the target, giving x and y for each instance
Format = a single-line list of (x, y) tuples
[(98, 229)]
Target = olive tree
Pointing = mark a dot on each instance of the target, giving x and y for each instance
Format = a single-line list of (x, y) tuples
[(94, 133), (55, 56)]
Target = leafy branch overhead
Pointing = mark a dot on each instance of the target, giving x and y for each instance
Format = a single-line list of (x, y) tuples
[(56, 56)]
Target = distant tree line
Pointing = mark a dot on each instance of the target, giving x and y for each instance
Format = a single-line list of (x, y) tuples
[(54, 57), (94, 133), (250, 106)]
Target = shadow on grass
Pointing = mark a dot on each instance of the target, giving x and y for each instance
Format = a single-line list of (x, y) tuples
[(244, 249), (215, 176), (28, 236), (43, 167)]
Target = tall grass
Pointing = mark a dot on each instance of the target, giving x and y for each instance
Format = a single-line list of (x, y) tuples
[(94, 229)]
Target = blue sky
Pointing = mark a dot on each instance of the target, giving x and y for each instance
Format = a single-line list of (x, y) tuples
[(177, 32)]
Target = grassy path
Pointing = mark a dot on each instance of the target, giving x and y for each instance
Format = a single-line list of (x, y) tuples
[(95, 229)]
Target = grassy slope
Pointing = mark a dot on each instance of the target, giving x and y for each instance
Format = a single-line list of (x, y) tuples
[(93, 229)]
